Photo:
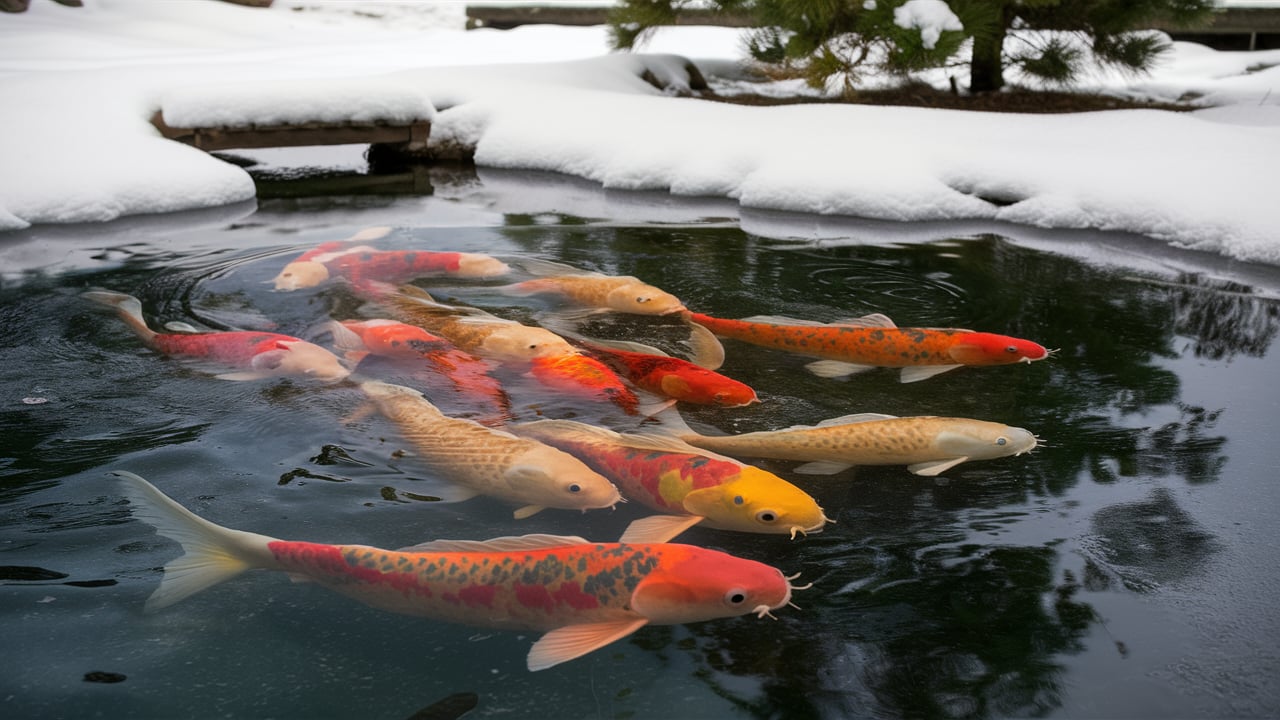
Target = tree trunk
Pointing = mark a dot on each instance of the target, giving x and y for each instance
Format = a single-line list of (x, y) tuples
[(986, 67)]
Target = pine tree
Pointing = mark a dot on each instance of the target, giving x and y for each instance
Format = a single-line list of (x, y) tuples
[(841, 40)]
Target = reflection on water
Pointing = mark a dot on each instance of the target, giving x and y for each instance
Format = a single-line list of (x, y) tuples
[(960, 596)]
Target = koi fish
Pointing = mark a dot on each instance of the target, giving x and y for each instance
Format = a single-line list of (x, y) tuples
[(858, 344), (470, 329), (927, 445), (584, 376), (620, 293), (363, 263), (582, 595), (468, 374), (689, 381), (488, 461), (263, 354), (692, 486)]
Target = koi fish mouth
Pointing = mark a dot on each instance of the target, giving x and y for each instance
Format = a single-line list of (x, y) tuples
[(763, 611), (817, 528)]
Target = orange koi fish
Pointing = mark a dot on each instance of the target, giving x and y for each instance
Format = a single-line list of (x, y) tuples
[(689, 381), (468, 374), (362, 263), (586, 377), (858, 344), (582, 595), (691, 485), (488, 461), (262, 354), (927, 445)]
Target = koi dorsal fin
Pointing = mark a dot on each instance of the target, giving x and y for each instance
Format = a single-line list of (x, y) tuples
[(658, 528), (874, 320), (513, 543), (780, 320), (855, 418)]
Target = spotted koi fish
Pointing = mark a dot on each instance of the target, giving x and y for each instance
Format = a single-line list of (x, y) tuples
[(361, 264), (488, 461), (261, 354), (859, 344), (582, 595), (692, 486), (927, 445), (468, 375)]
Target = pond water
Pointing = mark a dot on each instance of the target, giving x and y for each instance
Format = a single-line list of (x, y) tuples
[(1125, 569)]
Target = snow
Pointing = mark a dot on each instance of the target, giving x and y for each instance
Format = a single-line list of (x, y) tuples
[(930, 16), (80, 85)]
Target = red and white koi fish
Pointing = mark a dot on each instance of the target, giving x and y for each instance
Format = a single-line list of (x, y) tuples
[(691, 485), (468, 374), (927, 445), (488, 461), (858, 344), (582, 595), (262, 354), (362, 263)]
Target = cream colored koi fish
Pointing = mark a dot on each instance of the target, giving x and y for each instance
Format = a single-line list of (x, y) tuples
[(927, 445), (582, 595), (491, 462), (470, 329), (596, 291)]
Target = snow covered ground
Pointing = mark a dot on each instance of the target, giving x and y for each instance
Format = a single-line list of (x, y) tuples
[(79, 85)]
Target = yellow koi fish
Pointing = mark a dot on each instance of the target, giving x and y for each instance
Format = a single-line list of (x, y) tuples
[(927, 445), (596, 291), (692, 485), (491, 462), (583, 595)]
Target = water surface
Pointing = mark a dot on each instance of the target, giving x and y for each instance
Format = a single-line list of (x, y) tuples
[(1124, 569)]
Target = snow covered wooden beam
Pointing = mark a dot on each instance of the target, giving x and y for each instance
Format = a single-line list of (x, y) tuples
[(412, 136)]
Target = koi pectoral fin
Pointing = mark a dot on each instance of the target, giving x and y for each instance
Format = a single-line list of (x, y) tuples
[(929, 469), (835, 368), (566, 643), (822, 467), (924, 372), (658, 528), (527, 511)]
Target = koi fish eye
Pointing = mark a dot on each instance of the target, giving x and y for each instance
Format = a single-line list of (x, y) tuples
[(576, 488), (1011, 349), (767, 516), (1002, 441), (642, 299), (736, 596)]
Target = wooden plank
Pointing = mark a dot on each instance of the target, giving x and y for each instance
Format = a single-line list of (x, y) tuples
[(413, 136)]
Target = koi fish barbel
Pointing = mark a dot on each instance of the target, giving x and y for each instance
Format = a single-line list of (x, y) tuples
[(582, 595)]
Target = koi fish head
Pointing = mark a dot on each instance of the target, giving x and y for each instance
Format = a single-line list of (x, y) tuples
[(990, 349), (300, 358), (301, 274), (757, 501), (643, 299), (391, 338), (513, 342), (981, 440), (692, 584), (704, 387), (548, 477), (476, 265)]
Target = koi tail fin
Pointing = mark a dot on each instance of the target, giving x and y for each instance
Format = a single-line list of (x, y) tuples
[(212, 553), (128, 308)]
